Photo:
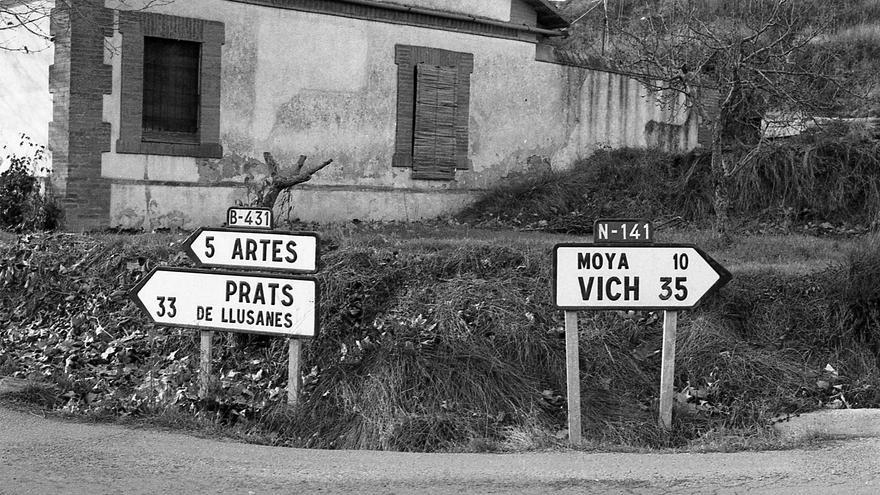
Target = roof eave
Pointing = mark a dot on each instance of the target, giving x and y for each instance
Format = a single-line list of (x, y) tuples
[(548, 15)]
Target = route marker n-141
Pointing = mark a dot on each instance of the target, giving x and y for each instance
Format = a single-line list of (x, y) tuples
[(658, 276), (247, 248), (274, 304), (623, 231)]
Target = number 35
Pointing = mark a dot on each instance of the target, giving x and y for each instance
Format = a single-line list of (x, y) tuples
[(681, 291)]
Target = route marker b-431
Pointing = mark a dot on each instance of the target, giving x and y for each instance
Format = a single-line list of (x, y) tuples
[(249, 217)]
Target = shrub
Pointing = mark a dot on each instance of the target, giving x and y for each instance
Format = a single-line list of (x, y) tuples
[(831, 174), (610, 183), (23, 206)]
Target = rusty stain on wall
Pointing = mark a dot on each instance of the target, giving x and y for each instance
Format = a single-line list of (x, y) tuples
[(231, 167)]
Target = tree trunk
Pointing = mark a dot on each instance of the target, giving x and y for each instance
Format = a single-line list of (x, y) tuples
[(721, 184), (276, 183)]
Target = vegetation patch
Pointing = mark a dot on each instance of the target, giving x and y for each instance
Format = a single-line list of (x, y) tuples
[(611, 183), (822, 182), (24, 206), (436, 344)]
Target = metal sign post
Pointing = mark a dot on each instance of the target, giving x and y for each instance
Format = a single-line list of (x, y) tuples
[(625, 270)]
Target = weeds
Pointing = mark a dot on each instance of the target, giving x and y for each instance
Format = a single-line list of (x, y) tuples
[(23, 206), (829, 175)]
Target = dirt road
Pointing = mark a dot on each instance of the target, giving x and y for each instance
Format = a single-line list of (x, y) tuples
[(39, 456)]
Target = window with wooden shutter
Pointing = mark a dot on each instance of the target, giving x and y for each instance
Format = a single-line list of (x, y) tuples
[(434, 136), (433, 96)]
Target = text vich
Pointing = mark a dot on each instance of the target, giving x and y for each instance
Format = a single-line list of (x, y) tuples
[(603, 287)]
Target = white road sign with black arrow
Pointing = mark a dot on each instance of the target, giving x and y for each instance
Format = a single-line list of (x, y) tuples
[(273, 304), (658, 276), (245, 248)]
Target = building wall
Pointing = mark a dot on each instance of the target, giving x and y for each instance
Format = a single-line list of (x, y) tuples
[(325, 86), (613, 110)]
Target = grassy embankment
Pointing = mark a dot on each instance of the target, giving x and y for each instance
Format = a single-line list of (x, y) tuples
[(442, 337)]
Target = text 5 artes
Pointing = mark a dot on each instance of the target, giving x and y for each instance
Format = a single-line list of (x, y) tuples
[(246, 248)]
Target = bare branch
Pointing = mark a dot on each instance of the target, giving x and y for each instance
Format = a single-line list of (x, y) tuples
[(275, 184)]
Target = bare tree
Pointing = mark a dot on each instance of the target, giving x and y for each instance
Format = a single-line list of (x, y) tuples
[(31, 18), (738, 62)]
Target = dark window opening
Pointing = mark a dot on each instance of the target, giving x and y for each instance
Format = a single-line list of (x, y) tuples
[(171, 89)]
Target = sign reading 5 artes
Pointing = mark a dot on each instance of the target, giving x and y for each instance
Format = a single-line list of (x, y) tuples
[(247, 248), (658, 276)]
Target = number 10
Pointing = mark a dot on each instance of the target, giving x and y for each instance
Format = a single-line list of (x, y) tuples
[(680, 261)]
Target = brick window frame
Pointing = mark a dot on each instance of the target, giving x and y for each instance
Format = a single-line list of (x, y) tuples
[(408, 58), (134, 27)]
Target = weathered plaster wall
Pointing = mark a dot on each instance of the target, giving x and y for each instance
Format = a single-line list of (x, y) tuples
[(325, 86), (614, 110), (493, 9)]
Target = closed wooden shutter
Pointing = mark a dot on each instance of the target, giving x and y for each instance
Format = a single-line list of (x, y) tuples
[(434, 130)]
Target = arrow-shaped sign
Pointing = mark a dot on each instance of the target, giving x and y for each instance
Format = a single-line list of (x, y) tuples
[(658, 276), (247, 248), (220, 300)]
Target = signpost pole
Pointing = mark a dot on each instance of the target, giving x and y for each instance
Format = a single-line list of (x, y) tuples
[(667, 372), (573, 378), (205, 362), (294, 380)]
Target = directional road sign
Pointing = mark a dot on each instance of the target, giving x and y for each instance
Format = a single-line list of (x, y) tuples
[(272, 304), (244, 248), (659, 276)]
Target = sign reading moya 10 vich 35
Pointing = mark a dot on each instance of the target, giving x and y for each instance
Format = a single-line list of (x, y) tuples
[(658, 276)]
